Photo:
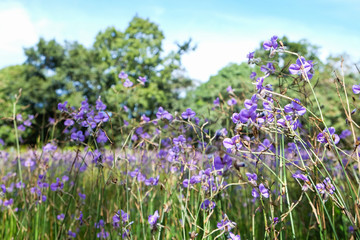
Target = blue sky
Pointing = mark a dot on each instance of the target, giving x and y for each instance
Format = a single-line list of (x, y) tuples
[(224, 31)]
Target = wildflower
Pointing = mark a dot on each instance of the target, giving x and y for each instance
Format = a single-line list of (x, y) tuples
[(78, 136), (356, 89), (62, 106), (188, 114), (71, 234), (60, 217), (295, 108), (229, 89), (248, 103), (100, 106), (128, 83), (123, 75), (163, 114), (49, 147), (271, 44), (323, 136), (101, 117), (208, 204), (153, 219), (250, 56), (268, 69), (57, 185), (345, 133), (329, 186), (152, 181), (252, 178), (8, 203), (180, 140), (234, 237), (120, 215), (248, 114), (216, 102), (83, 196), (21, 127), (232, 143), (263, 191), (252, 75), (225, 224), (103, 234), (101, 138), (231, 102), (301, 67), (142, 80)]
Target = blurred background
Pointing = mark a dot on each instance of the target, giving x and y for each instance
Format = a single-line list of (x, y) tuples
[(190, 52)]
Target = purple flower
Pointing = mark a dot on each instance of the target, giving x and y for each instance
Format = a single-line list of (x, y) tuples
[(324, 135), (69, 122), (232, 143), (248, 114), (356, 89), (60, 217), (2, 142), (20, 185), (329, 186), (217, 102), (225, 224), (100, 106), (145, 118), (78, 136), (231, 102), (271, 44), (252, 75), (250, 56), (252, 178), (188, 114), (62, 106), (128, 83), (345, 133), (259, 83), (71, 234), (301, 67), (142, 80), (22, 127), (103, 234), (300, 176), (268, 69), (101, 117), (49, 147), (248, 103), (153, 219), (180, 140), (8, 202), (264, 191), (321, 188), (208, 204), (234, 237), (294, 107), (152, 181), (101, 138), (27, 123), (163, 114), (229, 89), (57, 185), (123, 75), (83, 196), (120, 216), (19, 117)]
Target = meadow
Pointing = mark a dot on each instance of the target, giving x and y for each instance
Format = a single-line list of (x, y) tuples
[(274, 170)]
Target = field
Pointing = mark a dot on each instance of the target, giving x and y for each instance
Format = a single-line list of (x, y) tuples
[(274, 170)]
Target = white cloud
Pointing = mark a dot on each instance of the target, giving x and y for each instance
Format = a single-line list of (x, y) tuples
[(17, 31)]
